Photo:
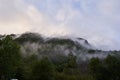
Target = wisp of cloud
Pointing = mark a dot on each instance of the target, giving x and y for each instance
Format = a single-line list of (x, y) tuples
[(95, 20)]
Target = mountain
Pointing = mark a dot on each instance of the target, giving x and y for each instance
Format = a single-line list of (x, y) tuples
[(34, 43), (61, 43), (66, 55)]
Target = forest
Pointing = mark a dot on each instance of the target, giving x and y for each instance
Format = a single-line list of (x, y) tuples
[(14, 64)]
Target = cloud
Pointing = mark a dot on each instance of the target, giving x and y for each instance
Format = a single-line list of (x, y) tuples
[(95, 20), (13, 18), (17, 16)]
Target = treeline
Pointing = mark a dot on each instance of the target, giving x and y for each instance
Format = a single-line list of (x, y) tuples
[(13, 64)]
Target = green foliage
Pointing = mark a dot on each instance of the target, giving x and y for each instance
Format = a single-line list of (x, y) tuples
[(107, 69), (31, 37), (60, 41), (113, 67), (57, 41), (91, 51), (25, 70), (10, 57), (20, 73), (43, 70), (62, 76), (72, 61), (69, 66), (97, 69), (56, 67)]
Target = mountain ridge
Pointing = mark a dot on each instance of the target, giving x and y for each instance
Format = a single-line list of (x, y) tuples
[(34, 43)]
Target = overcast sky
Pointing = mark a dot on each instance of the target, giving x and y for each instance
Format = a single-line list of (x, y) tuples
[(98, 21)]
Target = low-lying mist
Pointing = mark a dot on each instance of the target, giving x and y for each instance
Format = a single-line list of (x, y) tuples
[(32, 43)]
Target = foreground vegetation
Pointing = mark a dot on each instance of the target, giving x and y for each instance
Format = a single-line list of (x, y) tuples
[(13, 64)]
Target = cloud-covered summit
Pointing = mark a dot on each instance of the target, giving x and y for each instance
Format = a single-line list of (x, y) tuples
[(95, 20)]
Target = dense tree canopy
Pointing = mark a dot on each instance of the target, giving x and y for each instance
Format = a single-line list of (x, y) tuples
[(9, 57), (14, 64), (43, 70)]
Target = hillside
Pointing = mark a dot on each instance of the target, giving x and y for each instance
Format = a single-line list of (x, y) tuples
[(30, 56), (34, 43)]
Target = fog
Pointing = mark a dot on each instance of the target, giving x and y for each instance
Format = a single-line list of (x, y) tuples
[(96, 21)]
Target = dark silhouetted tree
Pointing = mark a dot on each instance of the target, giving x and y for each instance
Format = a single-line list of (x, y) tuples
[(10, 57), (43, 70)]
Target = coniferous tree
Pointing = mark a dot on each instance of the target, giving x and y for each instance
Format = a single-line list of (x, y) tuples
[(10, 57)]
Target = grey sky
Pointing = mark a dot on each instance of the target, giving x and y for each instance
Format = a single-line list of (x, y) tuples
[(97, 21)]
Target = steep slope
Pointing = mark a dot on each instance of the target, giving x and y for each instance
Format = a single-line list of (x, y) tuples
[(34, 43)]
